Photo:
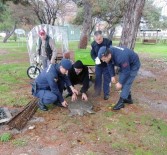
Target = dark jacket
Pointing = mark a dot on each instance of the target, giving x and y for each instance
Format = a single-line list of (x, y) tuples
[(95, 49), (47, 47), (81, 78), (48, 80), (126, 59)]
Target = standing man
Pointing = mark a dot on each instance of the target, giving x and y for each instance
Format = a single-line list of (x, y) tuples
[(100, 67), (79, 74), (129, 64), (48, 86), (46, 49)]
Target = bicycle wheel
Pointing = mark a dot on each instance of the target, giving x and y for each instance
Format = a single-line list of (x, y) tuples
[(33, 72)]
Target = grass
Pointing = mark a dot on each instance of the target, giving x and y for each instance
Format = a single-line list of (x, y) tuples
[(20, 142), (154, 50), (13, 72), (140, 135), (5, 137)]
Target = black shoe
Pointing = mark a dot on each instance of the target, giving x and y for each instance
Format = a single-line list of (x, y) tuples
[(119, 105), (68, 95), (42, 106), (129, 100), (106, 97)]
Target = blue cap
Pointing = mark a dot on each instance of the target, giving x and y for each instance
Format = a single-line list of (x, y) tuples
[(102, 51), (66, 63)]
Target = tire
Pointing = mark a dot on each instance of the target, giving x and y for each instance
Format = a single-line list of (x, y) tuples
[(33, 72)]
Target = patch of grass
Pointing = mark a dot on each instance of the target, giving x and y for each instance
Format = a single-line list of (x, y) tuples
[(154, 50), (159, 126), (11, 76), (133, 133), (109, 126), (13, 46), (127, 124), (4, 88), (19, 142), (142, 152), (5, 137), (8, 98), (92, 153), (109, 113)]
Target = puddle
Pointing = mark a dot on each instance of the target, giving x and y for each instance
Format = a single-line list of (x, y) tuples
[(145, 73)]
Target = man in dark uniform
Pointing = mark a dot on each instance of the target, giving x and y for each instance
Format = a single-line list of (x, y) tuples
[(101, 67), (79, 74), (129, 64), (48, 86)]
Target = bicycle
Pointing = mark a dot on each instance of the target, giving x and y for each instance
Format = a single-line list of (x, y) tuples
[(34, 70)]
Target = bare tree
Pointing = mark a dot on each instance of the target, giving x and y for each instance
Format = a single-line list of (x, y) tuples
[(48, 11), (131, 23)]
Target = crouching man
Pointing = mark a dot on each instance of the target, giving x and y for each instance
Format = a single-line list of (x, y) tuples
[(48, 86), (129, 64), (78, 74)]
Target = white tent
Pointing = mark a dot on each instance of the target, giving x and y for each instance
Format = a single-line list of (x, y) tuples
[(58, 33)]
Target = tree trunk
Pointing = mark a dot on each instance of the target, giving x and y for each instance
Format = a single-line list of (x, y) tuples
[(111, 33), (86, 25), (8, 34), (131, 23)]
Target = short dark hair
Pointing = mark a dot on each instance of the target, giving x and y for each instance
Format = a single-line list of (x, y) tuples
[(96, 33)]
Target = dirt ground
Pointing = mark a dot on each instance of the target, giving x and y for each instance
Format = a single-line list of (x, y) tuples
[(55, 133)]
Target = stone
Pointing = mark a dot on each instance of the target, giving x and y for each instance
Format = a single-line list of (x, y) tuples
[(80, 107)]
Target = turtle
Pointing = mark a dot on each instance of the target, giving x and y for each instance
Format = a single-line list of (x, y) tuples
[(80, 107)]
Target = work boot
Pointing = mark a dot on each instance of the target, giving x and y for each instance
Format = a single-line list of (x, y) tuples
[(42, 106), (106, 97), (119, 105), (129, 99)]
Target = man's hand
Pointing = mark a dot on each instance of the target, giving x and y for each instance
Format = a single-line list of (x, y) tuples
[(74, 97), (64, 103), (113, 80), (74, 90), (118, 86), (84, 97), (52, 61)]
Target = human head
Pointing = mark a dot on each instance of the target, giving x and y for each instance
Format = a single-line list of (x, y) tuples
[(65, 65), (42, 34), (98, 37), (78, 66), (104, 54)]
